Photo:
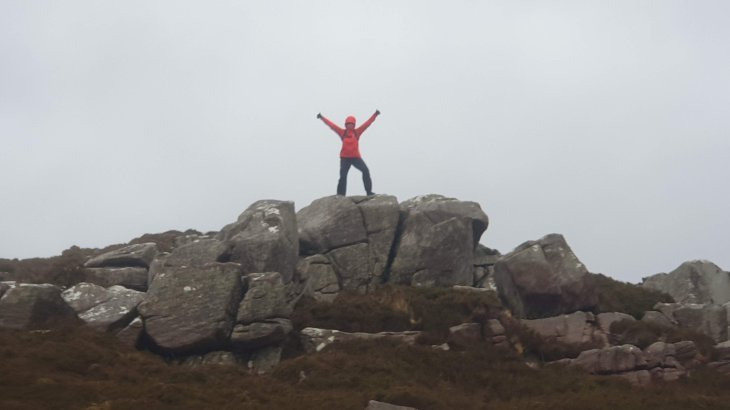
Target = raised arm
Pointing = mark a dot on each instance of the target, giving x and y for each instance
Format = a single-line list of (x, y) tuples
[(339, 131), (367, 123)]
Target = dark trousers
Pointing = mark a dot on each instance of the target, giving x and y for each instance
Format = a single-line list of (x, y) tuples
[(345, 164)]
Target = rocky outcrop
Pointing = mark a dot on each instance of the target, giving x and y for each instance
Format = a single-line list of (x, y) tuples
[(29, 307), (314, 340), (697, 281), (140, 255), (190, 309), (264, 239), (263, 313), (544, 277), (438, 238)]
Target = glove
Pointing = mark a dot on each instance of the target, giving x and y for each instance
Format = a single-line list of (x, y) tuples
[(377, 112), (319, 115)]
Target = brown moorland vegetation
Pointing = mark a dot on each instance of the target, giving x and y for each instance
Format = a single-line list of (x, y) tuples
[(78, 368)]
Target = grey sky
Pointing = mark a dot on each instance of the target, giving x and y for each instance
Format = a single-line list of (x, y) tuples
[(606, 121)]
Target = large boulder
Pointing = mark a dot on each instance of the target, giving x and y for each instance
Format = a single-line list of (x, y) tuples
[(328, 223), (264, 239), (356, 234), (31, 306), (380, 214), (544, 277), (139, 255), (130, 277), (190, 309), (695, 281), (437, 242)]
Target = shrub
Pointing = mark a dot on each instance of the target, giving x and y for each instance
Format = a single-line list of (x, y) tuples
[(615, 296)]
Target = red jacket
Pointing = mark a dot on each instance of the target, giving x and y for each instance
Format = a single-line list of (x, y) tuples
[(350, 138)]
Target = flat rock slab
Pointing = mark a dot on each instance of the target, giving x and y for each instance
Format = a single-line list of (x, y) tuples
[(379, 405), (130, 277), (84, 296), (31, 306), (114, 313), (139, 255), (189, 309), (260, 334), (314, 340)]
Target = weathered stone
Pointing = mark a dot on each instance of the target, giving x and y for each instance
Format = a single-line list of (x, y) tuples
[(693, 282), (131, 334), (260, 334), (193, 308), (381, 214), (465, 335), (132, 278), (352, 266), (612, 360), (667, 374), (544, 276), (139, 255), (30, 306), (493, 328), (722, 366), (572, 329), (265, 298), (264, 239), (157, 266), (198, 252), (328, 223), (115, 312), (379, 405), (314, 340), (218, 358), (658, 353), (484, 256), (605, 320), (658, 318), (3, 288), (264, 360), (437, 242), (319, 276), (84, 296), (708, 319), (723, 350), (685, 350)]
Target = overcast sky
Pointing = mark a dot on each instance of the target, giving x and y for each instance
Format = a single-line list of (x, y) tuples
[(606, 121)]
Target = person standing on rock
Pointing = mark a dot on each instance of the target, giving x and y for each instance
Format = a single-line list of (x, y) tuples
[(350, 153)]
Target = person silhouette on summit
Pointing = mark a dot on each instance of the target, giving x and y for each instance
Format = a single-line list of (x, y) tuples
[(350, 153)]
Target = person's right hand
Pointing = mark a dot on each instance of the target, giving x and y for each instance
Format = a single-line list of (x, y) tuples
[(319, 115)]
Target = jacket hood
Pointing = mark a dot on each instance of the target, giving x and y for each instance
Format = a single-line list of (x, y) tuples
[(350, 120)]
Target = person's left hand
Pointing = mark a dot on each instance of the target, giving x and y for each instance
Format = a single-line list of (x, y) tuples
[(377, 112)]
